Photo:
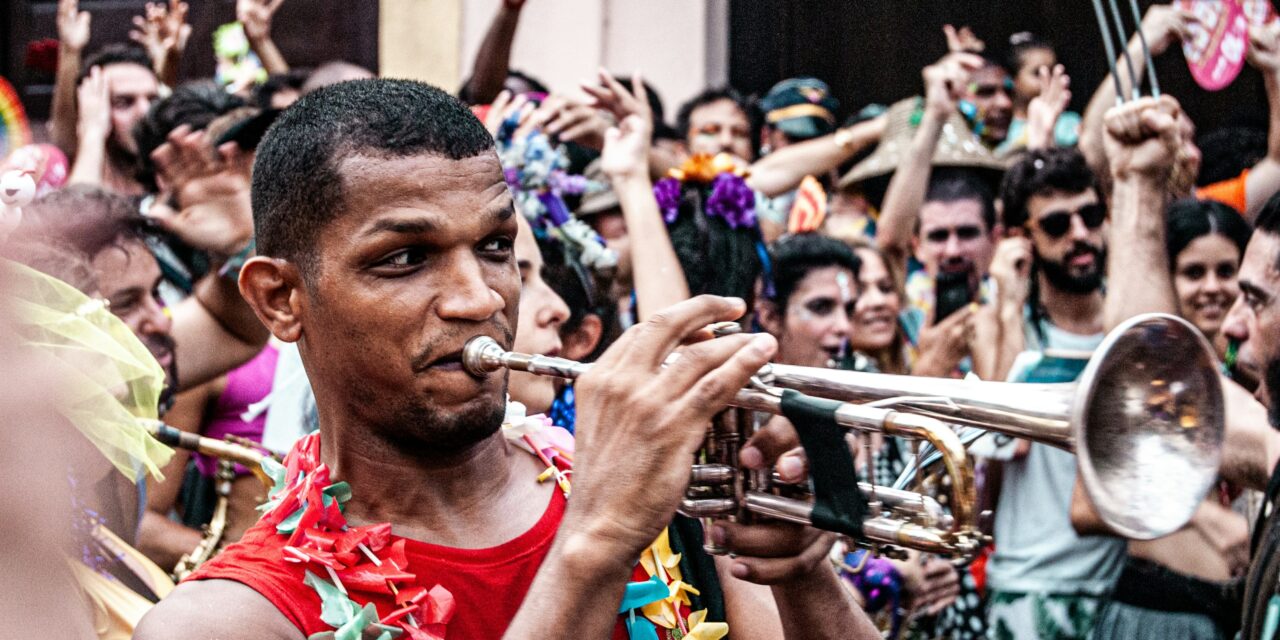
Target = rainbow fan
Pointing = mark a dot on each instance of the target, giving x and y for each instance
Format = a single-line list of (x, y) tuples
[(15, 130)]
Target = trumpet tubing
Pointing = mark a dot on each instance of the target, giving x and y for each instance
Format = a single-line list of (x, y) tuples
[(1145, 420)]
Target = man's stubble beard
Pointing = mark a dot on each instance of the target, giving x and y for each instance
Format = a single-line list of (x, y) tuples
[(410, 424)]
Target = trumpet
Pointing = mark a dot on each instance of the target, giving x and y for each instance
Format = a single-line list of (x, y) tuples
[(1145, 420), (228, 453)]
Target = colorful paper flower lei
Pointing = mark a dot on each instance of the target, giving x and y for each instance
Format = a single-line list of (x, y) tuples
[(537, 173), (729, 199), (339, 559), (307, 507)]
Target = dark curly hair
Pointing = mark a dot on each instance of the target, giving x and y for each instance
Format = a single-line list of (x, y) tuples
[(1041, 172)]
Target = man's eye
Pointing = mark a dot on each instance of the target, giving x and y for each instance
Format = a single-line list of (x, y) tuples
[(497, 245), (403, 258)]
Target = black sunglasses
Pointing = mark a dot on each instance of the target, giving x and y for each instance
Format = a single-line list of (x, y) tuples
[(1058, 223), (963, 232)]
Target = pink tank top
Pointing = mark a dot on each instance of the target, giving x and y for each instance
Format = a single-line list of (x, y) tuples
[(246, 384)]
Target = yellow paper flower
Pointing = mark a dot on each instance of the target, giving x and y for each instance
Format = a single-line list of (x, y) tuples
[(704, 168), (700, 629)]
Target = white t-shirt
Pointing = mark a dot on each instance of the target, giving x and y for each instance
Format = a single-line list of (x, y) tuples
[(1037, 551)]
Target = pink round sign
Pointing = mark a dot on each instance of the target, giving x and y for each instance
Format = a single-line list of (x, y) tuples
[(1218, 39)]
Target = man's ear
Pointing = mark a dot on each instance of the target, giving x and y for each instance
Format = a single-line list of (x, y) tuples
[(583, 341), (273, 287), (769, 316)]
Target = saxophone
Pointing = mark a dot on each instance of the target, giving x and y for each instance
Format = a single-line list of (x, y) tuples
[(228, 452)]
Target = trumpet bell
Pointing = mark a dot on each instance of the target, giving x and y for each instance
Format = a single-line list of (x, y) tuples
[(1148, 423)]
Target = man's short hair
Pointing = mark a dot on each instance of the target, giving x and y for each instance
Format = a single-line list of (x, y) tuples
[(297, 187), (953, 184), (1268, 219), (87, 219), (707, 97), (794, 256), (194, 104), (115, 54), (1040, 173)]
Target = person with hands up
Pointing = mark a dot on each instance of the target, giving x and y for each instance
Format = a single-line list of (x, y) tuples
[(164, 32), (132, 86), (656, 273), (256, 17)]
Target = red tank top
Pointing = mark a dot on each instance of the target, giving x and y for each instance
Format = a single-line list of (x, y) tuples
[(488, 585)]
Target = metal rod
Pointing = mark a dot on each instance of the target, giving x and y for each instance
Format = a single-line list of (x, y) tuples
[(1110, 48), (1146, 51), (1135, 83)]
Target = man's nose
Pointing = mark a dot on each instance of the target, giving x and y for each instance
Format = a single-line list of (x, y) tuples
[(470, 297), (1236, 325)]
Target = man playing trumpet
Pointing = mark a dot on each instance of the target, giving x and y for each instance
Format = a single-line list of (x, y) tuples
[(385, 244)]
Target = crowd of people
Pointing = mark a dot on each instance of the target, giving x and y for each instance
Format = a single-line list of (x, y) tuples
[(279, 257)]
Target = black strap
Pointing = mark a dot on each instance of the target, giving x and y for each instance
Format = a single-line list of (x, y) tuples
[(1268, 504), (838, 504)]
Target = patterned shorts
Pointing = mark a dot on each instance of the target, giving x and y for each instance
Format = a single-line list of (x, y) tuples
[(1041, 616)]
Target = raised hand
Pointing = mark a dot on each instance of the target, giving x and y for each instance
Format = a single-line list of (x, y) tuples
[(962, 40), (256, 16), (1045, 109), (1164, 25), (945, 80), (93, 98), (211, 190), (1145, 137), (162, 30), (626, 147), (1011, 269), (1264, 47), (73, 25)]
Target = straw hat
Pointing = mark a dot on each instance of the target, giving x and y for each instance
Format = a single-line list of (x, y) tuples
[(958, 146)]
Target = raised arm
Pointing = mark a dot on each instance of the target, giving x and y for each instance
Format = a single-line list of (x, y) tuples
[(93, 126), (782, 170), (214, 328), (1162, 26), (1264, 178), (656, 273), (256, 16), (1143, 139), (164, 32), (944, 83), (493, 59), (73, 37)]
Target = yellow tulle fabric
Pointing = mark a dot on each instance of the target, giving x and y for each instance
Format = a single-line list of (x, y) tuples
[(111, 382)]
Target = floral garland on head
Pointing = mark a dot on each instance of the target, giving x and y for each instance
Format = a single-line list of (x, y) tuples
[(730, 198), (725, 194), (537, 173)]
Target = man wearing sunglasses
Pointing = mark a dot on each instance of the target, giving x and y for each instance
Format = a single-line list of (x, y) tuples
[(1049, 280)]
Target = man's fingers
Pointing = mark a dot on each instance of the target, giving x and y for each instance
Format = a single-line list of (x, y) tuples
[(769, 443), (713, 390), (772, 539), (714, 368), (773, 570), (661, 332)]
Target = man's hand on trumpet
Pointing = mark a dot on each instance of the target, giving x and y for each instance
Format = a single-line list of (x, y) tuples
[(932, 583)]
